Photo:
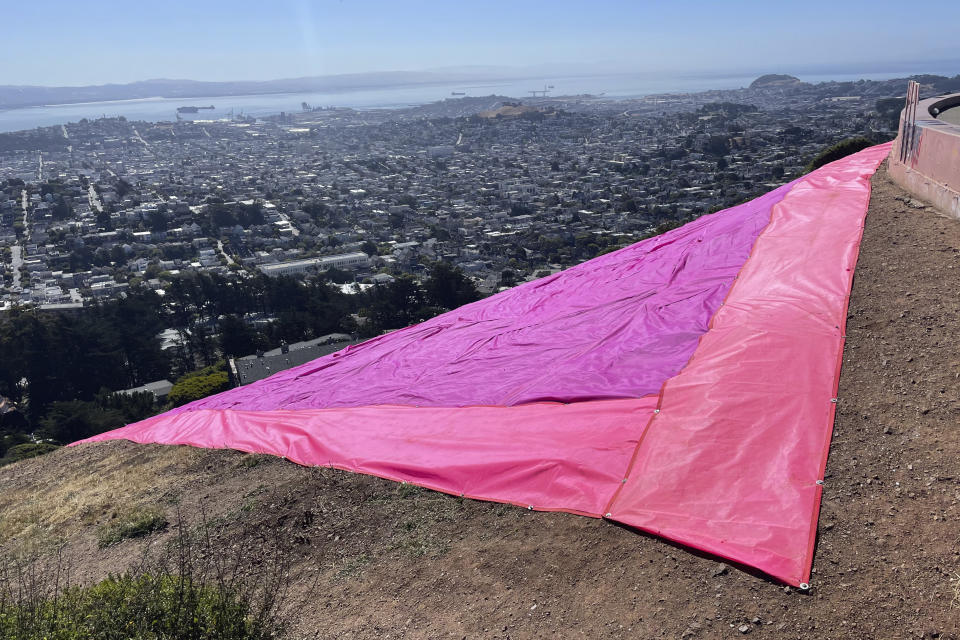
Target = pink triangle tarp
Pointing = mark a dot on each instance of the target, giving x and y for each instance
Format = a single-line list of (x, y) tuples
[(684, 385)]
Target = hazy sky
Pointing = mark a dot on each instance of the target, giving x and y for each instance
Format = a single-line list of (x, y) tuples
[(94, 42)]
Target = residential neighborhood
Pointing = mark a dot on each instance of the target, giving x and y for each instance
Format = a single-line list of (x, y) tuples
[(507, 191)]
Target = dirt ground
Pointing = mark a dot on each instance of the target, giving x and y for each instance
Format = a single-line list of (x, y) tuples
[(375, 559)]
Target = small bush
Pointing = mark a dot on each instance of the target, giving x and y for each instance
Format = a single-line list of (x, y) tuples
[(127, 606), (137, 523), (406, 490), (842, 149), (194, 588), (28, 450), (200, 384)]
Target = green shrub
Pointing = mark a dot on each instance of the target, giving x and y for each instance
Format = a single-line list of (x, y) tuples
[(219, 365), (200, 384), (27, 450), (14, 435), (196, 387), (137, 523), (195, 587), (146, 606), (842, 149)]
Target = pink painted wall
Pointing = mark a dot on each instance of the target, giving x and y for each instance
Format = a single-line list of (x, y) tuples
[(932, 170)]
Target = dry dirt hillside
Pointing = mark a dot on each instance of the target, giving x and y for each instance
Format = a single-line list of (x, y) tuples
[(374, 559)]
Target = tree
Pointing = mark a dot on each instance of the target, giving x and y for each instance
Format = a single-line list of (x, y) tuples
[(123, 188), (61, 210), (250, 215), (339, 276), (74, 420), (520, 209), (395, 220), (103, 220), (717, 146), (237, 338), (133, 406), (11, 439), (220, 216), (157, 221), (448, 287), (398, 304)]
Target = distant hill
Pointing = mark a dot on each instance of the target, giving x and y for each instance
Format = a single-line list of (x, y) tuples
[(774, 80), (26, 96)]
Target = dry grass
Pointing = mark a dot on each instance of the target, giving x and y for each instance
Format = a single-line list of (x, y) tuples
[(63, 496)]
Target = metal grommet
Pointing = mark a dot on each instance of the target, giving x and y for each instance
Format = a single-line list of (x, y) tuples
[(803, 586), (607, 515), (820, 482), (833, 400), (656, 410), (529, 507)]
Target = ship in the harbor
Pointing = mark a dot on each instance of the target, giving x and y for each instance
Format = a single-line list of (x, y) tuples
[(192, 109)]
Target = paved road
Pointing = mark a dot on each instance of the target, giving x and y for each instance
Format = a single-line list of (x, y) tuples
[(140, 138), (25, 205), (94, 199), (16, 261), (224, 253), (66, 137), (16, 251)]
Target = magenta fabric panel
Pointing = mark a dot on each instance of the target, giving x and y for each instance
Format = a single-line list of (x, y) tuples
[(546, 456), (615, 327), (702, 423), (731, 462)]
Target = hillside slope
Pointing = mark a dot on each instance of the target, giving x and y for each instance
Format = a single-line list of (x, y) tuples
[(387, 560)]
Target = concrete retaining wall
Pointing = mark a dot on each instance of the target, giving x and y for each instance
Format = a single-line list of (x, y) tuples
[(931, 170)]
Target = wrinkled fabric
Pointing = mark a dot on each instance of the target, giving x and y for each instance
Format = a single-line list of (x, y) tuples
[(614, 327), (683, 385), (731, 462), (545, 456)]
